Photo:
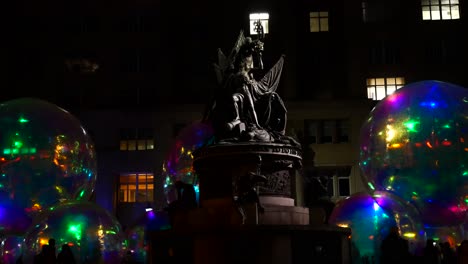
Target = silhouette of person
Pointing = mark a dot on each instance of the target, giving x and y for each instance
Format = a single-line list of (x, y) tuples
[(40, 258), (462, 252), (431, 253), (395, 249), (66, 255), (448, 254)]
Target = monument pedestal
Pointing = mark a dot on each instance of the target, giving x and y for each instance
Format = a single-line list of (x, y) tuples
[(224, 231)]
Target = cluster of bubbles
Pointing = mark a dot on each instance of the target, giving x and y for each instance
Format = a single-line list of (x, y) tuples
[(413, 154), (47, 176)]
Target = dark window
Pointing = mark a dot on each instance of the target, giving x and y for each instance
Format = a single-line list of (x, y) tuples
[(326, 131), (343, 186), (310, 131), (138, 23), (384, 52)]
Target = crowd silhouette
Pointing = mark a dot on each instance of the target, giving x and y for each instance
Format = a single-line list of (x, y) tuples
[(395, 249), (48, 254)]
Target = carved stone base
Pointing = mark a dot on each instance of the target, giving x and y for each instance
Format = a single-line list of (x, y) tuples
[(219, 168), (284, 215)]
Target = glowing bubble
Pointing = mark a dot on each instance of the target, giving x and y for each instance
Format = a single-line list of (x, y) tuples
[(46, 156), (178, 165), (454, 235), (94, 235), (414, 144), (136, 244), (370, 222), (10, 249), (407, 219)]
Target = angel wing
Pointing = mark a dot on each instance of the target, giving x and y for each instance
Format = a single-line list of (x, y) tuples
[(225, 63), (270, 80)]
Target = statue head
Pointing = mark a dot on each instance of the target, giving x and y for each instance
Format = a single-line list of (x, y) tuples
[(250, 55)]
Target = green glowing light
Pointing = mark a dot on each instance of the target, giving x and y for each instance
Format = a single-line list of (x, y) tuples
[(76, 230), (23, 120), (371, 186), (411, 125), (465, 173), (18, 144), (15, 151), (111, 232), (82, 193), (415, 193), (32, 150), (466, 200), (7, 151)]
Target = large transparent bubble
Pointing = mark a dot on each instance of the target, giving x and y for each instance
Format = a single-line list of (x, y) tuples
[(10, 249), (95, 236), (370, 222), (454, 235), (46, 156), (415, 144), (178, 165)]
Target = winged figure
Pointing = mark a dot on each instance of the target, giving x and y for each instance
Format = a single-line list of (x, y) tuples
[(245, 108)]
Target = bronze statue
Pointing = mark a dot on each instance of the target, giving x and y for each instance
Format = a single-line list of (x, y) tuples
[(247, 109)]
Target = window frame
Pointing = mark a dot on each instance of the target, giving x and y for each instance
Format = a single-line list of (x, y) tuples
[(377, 86), (136, 139), (432, 10), (314, 131), (319, 18), (263, 17), (130, 195)]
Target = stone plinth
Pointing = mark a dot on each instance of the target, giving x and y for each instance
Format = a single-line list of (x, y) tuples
[(219, 166)]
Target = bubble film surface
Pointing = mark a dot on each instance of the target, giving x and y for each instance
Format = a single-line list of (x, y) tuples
[(414, 144), (371, 216), (46, 156), (178, 165), (10, 249), (94, 235)]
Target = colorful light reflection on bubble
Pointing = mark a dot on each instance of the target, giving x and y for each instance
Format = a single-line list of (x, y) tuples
[(370, 222), (46, 156), (10, 249), (454, 235), (93, 233), (414, 144), (178, 165), (136, 244)]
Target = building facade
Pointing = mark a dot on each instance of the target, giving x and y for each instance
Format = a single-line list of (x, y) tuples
[(136, 73)]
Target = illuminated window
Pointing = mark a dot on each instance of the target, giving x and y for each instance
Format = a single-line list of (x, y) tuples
[(318, 21), (258, 17), (136, 187), (440, 9), (378, 88), (136, 139)]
